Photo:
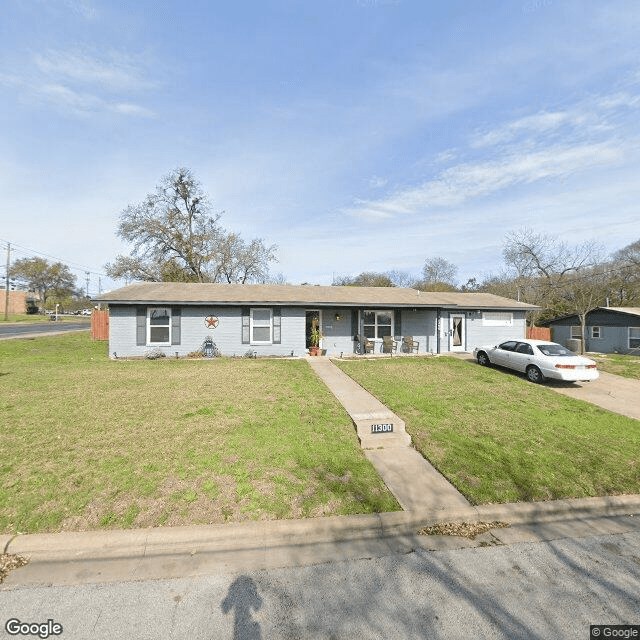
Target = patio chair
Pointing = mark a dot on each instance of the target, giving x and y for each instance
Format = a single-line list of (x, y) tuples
[(409, 345), (364, 345), (389, 345)]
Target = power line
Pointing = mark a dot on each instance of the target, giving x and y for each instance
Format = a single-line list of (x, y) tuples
[(75, 265)]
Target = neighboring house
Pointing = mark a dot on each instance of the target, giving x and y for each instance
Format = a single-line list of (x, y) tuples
[(607, 329), (277, 319)]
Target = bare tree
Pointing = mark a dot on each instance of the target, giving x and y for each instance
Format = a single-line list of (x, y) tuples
[(176, 237), (541, 265), (439, 270)]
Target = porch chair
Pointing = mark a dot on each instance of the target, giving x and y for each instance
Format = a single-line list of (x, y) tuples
[(389, 345), (409, 345), (364, 345)]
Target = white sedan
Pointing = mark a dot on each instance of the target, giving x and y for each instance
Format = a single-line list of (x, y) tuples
[(538, 359)]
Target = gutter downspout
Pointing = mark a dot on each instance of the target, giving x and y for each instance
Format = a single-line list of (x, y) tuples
[(438, 327)]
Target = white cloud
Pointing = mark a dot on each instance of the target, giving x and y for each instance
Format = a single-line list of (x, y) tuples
[(83, 8), (465, 182), (116, 70)]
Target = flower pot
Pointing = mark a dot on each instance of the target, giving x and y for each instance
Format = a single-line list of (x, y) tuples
[(314, 351)]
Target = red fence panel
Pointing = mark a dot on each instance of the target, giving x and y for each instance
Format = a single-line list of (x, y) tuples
[(539, 333), (100, 325)]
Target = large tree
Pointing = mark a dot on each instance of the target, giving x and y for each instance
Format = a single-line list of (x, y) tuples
[(548, 271), (47, 278), (439, 270), (175, 236)]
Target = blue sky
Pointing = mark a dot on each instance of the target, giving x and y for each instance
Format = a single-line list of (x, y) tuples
[(354, 134)]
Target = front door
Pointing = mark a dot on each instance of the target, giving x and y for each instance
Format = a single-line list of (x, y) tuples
[(456, 333), (312, 323)]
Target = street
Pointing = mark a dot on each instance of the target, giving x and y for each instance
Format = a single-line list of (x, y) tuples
[(24, 329), (534, 590)]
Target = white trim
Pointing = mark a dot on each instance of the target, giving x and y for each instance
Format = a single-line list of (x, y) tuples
[(463, 331), (251, 325), (572, 335), (497, 319), (148, 333), (376, 338), (599, 332)]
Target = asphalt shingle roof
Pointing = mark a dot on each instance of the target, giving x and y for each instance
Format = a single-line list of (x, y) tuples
[(308, 295)]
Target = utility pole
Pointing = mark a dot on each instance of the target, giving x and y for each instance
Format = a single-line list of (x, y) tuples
[(87, 273), (6, 284)]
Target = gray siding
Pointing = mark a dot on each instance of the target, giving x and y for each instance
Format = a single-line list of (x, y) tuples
[(479, 335), (337, 332), (227, 335), (614, 331)]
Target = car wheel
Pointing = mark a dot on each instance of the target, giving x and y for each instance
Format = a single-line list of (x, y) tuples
[(534, 375), (483, 359)]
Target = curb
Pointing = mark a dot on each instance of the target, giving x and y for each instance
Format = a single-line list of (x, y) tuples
[(239, 537)]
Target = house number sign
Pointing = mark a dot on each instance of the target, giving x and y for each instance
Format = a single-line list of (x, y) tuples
[(385, 427)]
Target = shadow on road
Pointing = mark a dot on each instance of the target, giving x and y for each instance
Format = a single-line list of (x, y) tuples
[(243, 598)]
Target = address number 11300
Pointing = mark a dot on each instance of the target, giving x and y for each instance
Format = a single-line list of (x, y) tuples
[(386, 427)]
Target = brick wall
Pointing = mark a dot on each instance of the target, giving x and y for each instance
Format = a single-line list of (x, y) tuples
[(17, 301)]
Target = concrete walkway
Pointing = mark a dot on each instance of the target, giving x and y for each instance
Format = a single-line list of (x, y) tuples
[(412, 480)]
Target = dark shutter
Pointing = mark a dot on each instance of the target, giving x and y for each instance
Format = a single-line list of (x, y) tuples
[(354, 323), (141, 326), (277, 325), (176, 316), (397, 323), (245, 325)]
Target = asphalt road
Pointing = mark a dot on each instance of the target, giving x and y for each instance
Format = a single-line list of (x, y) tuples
[(24, 329), (532, 590)]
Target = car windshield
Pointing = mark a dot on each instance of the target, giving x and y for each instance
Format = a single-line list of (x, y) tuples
[(554, 350)]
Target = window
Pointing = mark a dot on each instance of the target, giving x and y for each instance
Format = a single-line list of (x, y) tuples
[(377, 324), (508, 346), (524, 348), (634, 337), (497, 319), (596, 332), (576, 333), (159, 325), (261, 326)]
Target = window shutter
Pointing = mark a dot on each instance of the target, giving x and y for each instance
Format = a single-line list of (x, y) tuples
[(176, 317), (141, 326), (245, 325), (277, 325), (397, 322), (354, 323)]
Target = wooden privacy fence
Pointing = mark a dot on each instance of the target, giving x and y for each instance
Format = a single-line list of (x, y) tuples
[(539, 333), (100, 325)]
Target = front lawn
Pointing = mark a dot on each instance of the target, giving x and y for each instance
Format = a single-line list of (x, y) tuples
[(499, 438), (620, 365), (86, 442)]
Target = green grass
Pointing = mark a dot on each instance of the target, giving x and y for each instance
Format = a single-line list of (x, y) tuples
[(620, 365), (498, 438), (24, 317), (86, 442)]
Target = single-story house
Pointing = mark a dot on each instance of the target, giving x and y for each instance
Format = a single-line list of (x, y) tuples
[(607, 329), (278, 319)]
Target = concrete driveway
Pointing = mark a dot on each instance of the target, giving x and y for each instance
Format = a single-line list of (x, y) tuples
[(615, 393)]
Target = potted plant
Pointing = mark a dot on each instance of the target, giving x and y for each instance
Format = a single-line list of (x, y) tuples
[(314, 339)]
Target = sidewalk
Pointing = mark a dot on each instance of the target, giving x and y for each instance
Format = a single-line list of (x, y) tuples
[(89, 557), (413, 481)]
